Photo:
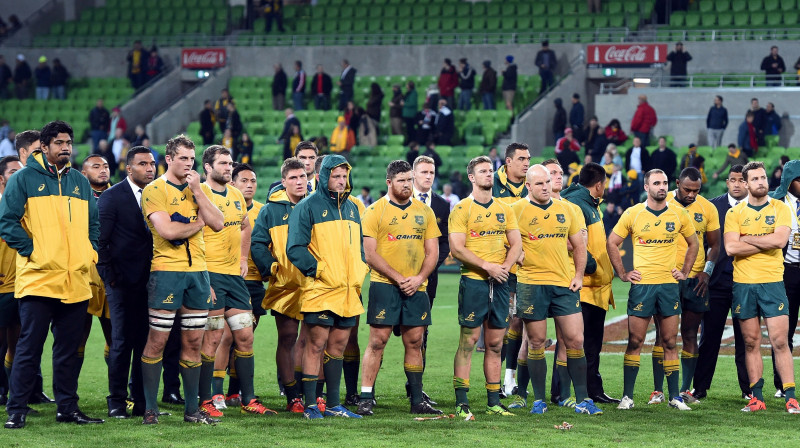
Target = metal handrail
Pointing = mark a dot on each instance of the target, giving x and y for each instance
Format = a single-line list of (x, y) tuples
[(700, 80), (577, 60)]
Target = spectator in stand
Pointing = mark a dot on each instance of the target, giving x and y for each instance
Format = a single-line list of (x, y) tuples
[(444, 124), (497, 162), (234, 123), (637, 158), (342, 138), (748, 136), (7, 145), (99, 123), (509, 86), (396, 110), (104, 150), (364, 197), (449, 196), (347, 82), (466, 81), (735, 157), (412, 153), (488, 86), (227, 141), (221, 109), (5, 129), (44, 77), (14, 23), (207, 121), (367, 130), (321, 87), (279, 84), (448, 81), (298, 86), (430, 151), (615, 180), (139, 136), (432, 94), (614, 133), (591, 133), (716, 122), (136, 65), (678, 60), (410, 111), (425, 124), (576, 116), (692, 158), (611, 215), (246, 148), (644, 120), (375, 105), (559, 120), (777, 173), (119, 145), (117, 122), (546, 62), (22, 77), (58, 80), (286, 134), (759, 120), (351, 116), (457, 184), (567, 148), (773, 121), (155, 65), (612, 154), (664, 159), (774, 67), (631, 191), (5, 78), (273, 10)]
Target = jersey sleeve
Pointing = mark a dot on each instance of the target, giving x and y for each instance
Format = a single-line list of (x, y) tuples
[(154, 199), (732, 222), (687, 228), (783, 215), (576, 223), (713, 218), (457, 222), (433, 230), (512, 222), (623, 226), (369, 221)]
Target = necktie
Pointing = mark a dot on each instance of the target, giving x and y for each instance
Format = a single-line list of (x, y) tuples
[(797, 210), (423, 197)]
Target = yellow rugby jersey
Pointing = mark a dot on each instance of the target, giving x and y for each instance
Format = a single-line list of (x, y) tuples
[(401, 232), (485, 226), (224, 248), (252, 214), (745, 219), (654, 235), (8, 268), (705, 218), (164, 196), (545, 230)]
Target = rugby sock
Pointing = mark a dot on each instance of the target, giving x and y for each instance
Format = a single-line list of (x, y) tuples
[(492, 394), (151, 376), (290, 389), (672, 370), (512, 350), (190, 377), (298, 377), (233, 381), (309, 389), (8, 363), (630, 368), (320, 387), (537, 369), (461, 385), (206, 374), (757, 389), (523, 378), (217, 382), (352, 361), (564, 382), (245, 370), (332, 365), (106, 350), (414, 377), (658, 368), (688, 365), (576, 369), (367, 393), (788, 389)]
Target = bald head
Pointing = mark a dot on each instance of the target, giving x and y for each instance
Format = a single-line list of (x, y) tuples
[(537, 180)]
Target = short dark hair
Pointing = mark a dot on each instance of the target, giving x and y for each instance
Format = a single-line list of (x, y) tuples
[(512, 149), (211, 153), (591, 174), (651, 172), (5, 161), (366, 188), (463, 61), (753, 99), (576, 96), (550, 162), (732, 145), (749, 114), (720, 98), (306, 144), (690, 172), (25, 139), (448, 61), (52, 129), (135, 150), (752, 166), (736, 169), (477, 161), (292, 163), (239, 167), (92, 156), (318, 163), (298, 63), (397, 167), (174, 142)]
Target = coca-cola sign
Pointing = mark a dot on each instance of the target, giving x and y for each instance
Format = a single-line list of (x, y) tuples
[(195, 58), (625, 55)]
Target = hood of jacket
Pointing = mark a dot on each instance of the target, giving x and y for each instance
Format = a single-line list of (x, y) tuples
[(278, 195), (791, 171), (331, 162), (579, 195), (38, 161)]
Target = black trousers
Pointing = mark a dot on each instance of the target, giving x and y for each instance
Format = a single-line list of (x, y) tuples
[(711, 329), (129, 328), (594, 319), (37, 314), (791, 280)]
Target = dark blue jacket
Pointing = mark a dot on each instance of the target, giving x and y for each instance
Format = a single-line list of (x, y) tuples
[(43, 75), (576, 115), (722, 278), (744, 139), (717, 118)]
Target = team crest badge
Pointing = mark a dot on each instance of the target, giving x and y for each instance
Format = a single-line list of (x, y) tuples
[(698, 217), (560, 218), (670, 226), (419, 219), (769, 220), (238, 205), (501, 217)]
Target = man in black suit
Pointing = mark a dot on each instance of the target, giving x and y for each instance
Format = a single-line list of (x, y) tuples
[(720, 287), (125, 251), (321, 87), (346, 82)]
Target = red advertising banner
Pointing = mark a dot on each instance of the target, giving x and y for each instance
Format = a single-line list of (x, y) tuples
[(196, 58), (625, 55)]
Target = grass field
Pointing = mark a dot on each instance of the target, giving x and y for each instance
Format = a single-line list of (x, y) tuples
[(716, 421)]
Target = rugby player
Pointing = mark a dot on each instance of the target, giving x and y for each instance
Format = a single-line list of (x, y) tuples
[(9, 307), (480, 227), (654, 228)]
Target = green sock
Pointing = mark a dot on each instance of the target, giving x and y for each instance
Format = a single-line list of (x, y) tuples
[(523, 378), (290, 389), (461, 385), (630, 369), (514, 343), (245, 370), (576, 369), (672, 370), (492, 394), (788, 390), (756, 389), (206, 375), (190, 377), (352, 361), (537, 369), (688, 365), (309, 388), (320, 387), (414, 377), (217, 382), (564, 382), (658, 369), (151, 377), (332, 366)]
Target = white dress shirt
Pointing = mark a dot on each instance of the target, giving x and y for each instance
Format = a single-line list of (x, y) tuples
[(137, 191), (792, 255), (427, 200)]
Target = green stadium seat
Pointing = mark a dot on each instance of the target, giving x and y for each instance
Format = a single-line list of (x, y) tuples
[(755, 5), (616, 21), (553, 8), (585, 22), (57, 28), (601, 21), (758, 18), (725, 19), (706, 6), (538, 9), (708, 20), (741, 20), (722, 5), (569, 8), (614, 8), (692, 20), (570, 22)]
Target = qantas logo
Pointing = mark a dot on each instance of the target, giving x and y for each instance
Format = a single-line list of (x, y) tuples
[(475, 234), (542, 236), (391, 237), (644, 242)]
